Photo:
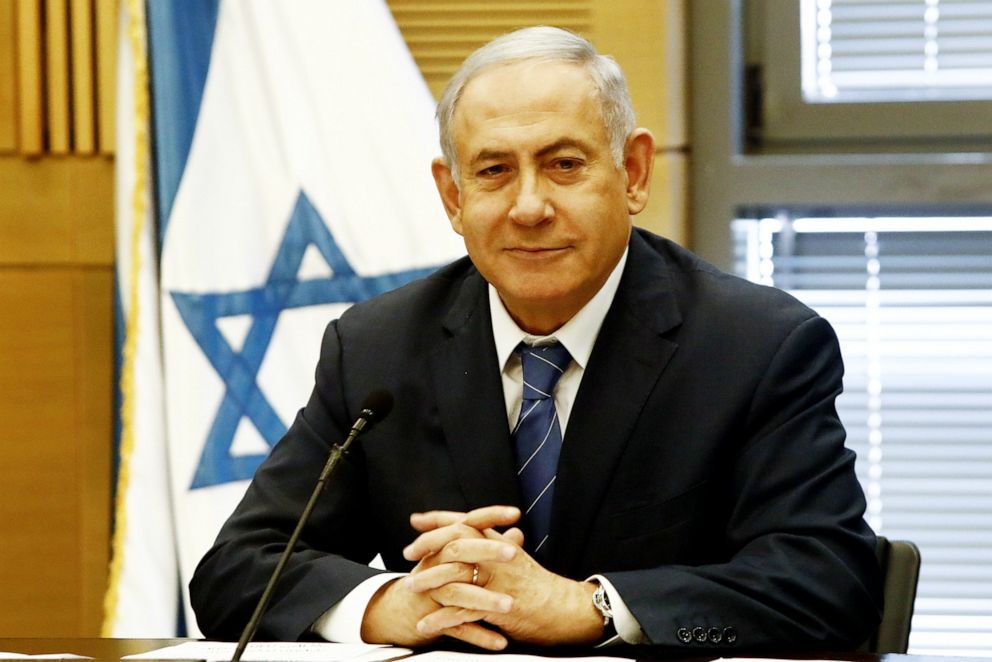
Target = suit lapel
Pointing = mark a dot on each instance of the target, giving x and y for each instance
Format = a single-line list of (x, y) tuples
[(627, 360), (469, 392)]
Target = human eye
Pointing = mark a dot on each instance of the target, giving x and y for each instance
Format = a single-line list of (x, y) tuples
[(492, 171), (566, 168)]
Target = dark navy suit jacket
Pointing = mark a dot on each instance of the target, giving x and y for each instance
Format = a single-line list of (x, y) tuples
[(703, 470)]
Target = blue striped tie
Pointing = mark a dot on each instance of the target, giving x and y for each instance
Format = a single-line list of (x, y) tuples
[(537, 439)]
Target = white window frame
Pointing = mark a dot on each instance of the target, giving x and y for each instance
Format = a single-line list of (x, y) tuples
[(731, 175), (789, 118)]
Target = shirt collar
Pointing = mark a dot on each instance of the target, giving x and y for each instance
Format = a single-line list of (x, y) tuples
[(578, 334)]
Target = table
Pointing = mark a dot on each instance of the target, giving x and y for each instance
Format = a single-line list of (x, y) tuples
[(108, 649), (114, 649)]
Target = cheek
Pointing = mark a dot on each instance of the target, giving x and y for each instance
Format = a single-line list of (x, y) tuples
[(482, 216), (476, 237)]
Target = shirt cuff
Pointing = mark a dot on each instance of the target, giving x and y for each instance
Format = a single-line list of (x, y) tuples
[(342, 623), (628, 629)]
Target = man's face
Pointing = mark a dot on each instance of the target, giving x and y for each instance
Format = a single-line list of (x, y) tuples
[(543, 208)]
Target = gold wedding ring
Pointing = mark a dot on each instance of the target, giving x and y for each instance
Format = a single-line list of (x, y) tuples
[(475, 574)]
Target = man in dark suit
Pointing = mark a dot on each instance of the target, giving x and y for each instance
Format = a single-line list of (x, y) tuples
[(699, 492)]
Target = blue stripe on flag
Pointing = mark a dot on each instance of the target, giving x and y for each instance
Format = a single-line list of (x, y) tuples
[(120, 328), (180, 36)]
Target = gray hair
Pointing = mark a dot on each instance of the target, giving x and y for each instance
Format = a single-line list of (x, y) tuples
[(552, 44)]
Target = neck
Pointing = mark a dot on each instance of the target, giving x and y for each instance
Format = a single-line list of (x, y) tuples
[(540, 320)]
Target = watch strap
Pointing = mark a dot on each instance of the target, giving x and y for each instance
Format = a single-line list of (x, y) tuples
[(601, 601)]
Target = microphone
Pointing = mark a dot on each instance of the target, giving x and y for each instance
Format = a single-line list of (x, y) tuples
[(376, 407)]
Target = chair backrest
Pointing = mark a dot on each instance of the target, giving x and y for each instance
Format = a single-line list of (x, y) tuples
[(900, 563)]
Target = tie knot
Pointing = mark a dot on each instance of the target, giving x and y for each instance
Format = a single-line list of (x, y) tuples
[(542, 367)]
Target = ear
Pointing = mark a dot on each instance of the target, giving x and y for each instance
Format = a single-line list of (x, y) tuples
[(447, 188), (639, 163)]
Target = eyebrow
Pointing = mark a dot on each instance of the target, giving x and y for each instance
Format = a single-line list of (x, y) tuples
[(556, 146), (564, 143)]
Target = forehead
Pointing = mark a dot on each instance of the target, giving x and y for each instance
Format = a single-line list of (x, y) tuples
[(513, 99)]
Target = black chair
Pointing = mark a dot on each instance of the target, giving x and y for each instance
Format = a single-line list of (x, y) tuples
[(900, 563)]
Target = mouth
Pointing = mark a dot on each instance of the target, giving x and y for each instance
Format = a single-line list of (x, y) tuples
[(537, 251)]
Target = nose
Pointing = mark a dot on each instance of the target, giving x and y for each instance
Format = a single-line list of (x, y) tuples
[(531, 205)]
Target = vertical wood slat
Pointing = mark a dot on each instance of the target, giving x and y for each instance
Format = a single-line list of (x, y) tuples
[(29, 77), (106, 74), (8, 76), (83, 77), (57, 75)]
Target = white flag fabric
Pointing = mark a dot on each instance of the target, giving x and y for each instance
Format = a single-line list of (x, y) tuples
[(143, 589), (293, 179)]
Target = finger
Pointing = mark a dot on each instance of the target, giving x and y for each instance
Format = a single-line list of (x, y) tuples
[(441, 574), (477, 635), (460, 623), (446, 618), (513, 536), (433, 541), (435, 519), (492, 516), (480, 518), (477, 550), (475, 598)]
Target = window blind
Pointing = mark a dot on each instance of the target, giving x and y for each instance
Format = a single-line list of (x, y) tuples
[(896, 50), (911, 301)]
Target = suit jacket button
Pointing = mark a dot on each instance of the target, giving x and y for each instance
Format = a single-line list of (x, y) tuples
[(715, 635), (684, 635), (730, 635), (699, 634)]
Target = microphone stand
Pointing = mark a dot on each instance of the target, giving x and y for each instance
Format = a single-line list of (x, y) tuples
[(337, 452)]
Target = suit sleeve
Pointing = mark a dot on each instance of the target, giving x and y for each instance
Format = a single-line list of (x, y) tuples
[(331, 556), (801, 570)]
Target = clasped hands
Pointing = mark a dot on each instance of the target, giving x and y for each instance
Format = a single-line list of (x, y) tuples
[(512, 596)]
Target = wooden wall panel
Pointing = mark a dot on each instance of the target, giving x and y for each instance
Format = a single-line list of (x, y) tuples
[(55, 388), (106, 73), (667, 210), (56, 362), (57, 76), (92, 315), (29, 78), (8, 77), (83, 76), (57, 51), (56, 211)]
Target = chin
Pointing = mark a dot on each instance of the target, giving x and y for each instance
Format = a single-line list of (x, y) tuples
[(544, 300), (540, 293)]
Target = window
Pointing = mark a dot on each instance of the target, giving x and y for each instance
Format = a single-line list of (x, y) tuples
[(890, 71), (908, 50), (911, 301)]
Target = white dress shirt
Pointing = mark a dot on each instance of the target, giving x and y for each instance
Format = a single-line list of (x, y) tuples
[(343, 621)]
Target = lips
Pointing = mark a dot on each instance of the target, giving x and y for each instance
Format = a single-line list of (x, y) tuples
[(537, 250)]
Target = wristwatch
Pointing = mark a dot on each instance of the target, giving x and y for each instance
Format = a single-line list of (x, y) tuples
[(601, 601)]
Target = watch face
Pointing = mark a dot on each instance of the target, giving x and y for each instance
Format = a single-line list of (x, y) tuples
[(601, 600)]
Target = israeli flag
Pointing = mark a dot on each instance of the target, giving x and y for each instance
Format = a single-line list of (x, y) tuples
[(292, 156)]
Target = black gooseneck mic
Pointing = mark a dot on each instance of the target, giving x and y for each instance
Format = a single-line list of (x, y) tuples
[(376, 407)]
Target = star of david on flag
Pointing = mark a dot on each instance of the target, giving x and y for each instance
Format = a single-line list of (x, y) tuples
[(239, 370)]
